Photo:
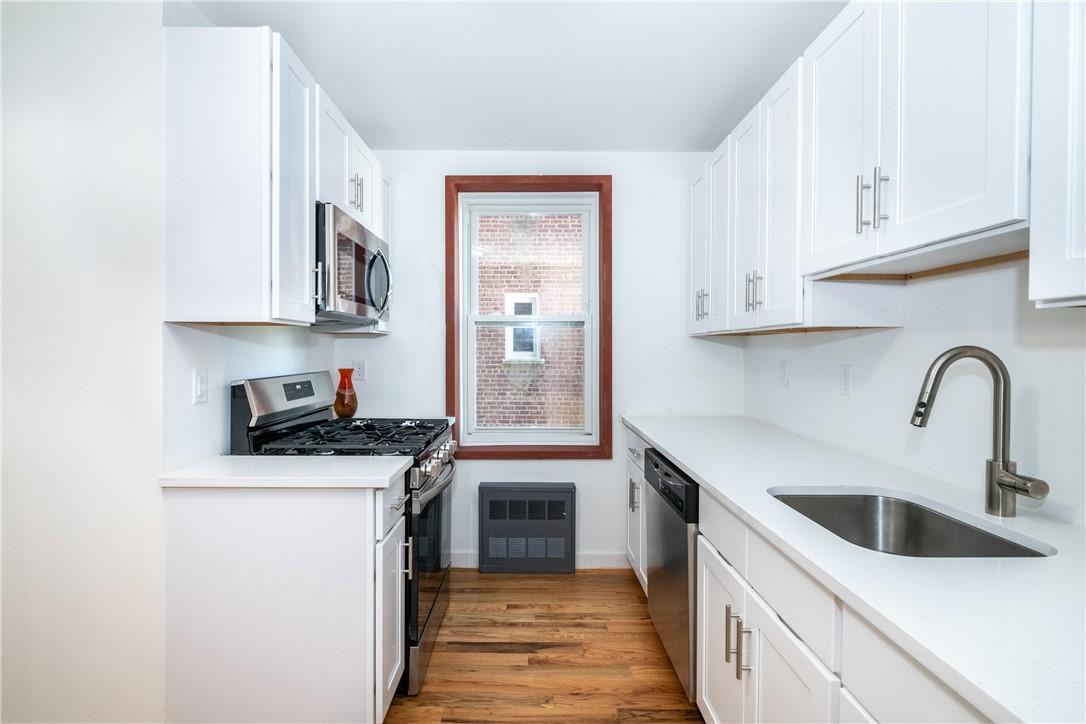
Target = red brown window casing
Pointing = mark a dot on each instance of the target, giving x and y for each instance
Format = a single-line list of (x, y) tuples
[(454, 186)]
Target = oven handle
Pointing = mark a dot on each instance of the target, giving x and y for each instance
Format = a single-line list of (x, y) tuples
[(437, 488)]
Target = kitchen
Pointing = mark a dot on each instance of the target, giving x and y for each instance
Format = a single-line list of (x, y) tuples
[(150, 575)]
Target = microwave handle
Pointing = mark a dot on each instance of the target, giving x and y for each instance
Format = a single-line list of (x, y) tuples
[(319, 296)]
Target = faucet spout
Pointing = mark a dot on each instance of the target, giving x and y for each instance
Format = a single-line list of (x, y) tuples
[(1004, 483), (1001, 393)]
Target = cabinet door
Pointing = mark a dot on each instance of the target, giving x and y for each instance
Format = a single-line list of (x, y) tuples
[(360, 165), (1057, 245), (293, 237), (698, 254), (955, 120), (778, 288), (634, 539), (790, 683), (840, 138), (333, 142), (390, 626), (718, 276), (720, 594), (746, 220)]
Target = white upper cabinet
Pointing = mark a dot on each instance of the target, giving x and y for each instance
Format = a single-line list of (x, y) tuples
[(294, 183), (916, 132), (361, 170), (720, 185), (779, 287), (746, 220), (333, 142), (698, 253), (240, 178), (955, 121), (1057, 246), (840, 138)]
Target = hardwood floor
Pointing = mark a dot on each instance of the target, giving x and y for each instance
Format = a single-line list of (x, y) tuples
[(547, 648)]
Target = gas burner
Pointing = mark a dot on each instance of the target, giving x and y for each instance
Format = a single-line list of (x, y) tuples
[(358, 436)]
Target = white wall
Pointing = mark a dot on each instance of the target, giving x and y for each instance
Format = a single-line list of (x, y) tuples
[(657, 368), (82, 366), (1043, 349), (194, 432)]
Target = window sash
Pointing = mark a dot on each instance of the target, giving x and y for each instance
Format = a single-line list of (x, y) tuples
[(472, 206)]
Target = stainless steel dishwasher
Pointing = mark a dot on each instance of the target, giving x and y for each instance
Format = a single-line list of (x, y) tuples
[(671, 533)]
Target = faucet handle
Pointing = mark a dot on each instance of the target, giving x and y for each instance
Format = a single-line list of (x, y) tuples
[(1022, 484)]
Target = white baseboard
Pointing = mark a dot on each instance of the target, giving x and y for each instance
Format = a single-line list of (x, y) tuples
[(470, 559)]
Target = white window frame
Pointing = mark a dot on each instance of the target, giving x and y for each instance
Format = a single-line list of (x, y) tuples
[(473, 205), (512, 355)]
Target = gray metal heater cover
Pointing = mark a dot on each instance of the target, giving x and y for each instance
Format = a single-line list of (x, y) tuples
[(527, 527)]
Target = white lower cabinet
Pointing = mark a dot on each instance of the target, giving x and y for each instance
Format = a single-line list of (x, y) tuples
[(851, 711), (751, 668), (635, 521), (391, 627)]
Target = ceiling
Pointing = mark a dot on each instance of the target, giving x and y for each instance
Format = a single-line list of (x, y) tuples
[(659, 76)]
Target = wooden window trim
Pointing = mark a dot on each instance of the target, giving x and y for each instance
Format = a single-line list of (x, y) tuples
[(456, 185)]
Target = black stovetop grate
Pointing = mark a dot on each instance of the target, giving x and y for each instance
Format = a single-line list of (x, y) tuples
[(359, 436)]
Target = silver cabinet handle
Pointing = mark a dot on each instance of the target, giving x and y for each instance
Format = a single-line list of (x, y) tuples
[(319, 296), (410, 546), (630, 496), (637, 497), (704, 304), (361, 196), (727, 633), (354, 191), (746, 293), (860, 186), (634, 451), (739, 631), (877, 215), (697, 305), (756, 277)]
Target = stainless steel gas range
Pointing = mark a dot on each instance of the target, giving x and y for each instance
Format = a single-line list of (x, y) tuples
[(292, 415)]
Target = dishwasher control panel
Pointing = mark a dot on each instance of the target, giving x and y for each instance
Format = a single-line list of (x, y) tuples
[(673, 485)]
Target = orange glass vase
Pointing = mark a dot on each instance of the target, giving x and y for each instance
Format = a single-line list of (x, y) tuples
[(346, 403)]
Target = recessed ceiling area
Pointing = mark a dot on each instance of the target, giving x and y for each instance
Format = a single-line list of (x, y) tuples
[(667, 76)]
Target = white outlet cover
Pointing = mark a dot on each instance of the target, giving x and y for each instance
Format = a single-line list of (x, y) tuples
[(360, 370), (199, 386), (783, 379), (846, 380)]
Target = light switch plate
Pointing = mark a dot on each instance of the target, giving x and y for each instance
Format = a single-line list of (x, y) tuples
[(783, 378), (199, 386)]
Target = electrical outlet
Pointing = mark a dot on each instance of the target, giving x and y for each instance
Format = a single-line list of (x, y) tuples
[(199, 386), (360, 370), (846, 381), (783, 377)]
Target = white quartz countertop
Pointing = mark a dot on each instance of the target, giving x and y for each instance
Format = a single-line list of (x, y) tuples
[(281, 471), (1005, 633)]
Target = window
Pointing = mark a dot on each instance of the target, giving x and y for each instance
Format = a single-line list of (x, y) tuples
[(528, 315), (522, 343)]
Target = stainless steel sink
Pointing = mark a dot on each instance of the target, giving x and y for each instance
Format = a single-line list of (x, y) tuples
[(901, 527)]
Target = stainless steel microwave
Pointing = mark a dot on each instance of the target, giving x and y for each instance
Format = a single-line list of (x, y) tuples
[(355, 280)]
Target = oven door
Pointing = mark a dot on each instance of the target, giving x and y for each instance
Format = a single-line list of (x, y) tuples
[(352, 263), (431, 516)]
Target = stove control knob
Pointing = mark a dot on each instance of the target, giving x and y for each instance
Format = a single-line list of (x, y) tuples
[(452, 446), (443, 455)]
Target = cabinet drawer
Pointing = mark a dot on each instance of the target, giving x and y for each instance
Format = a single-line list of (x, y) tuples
[(808, 608), (892, 685), (389, 508), (724, 530), (635, 448)]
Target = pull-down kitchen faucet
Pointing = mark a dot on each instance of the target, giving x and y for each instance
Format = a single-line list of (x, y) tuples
[(1003, 481)]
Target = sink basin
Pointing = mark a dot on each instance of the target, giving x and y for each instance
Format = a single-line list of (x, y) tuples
[(901, 527)]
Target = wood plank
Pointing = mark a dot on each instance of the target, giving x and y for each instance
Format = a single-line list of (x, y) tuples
[(547, 648)]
